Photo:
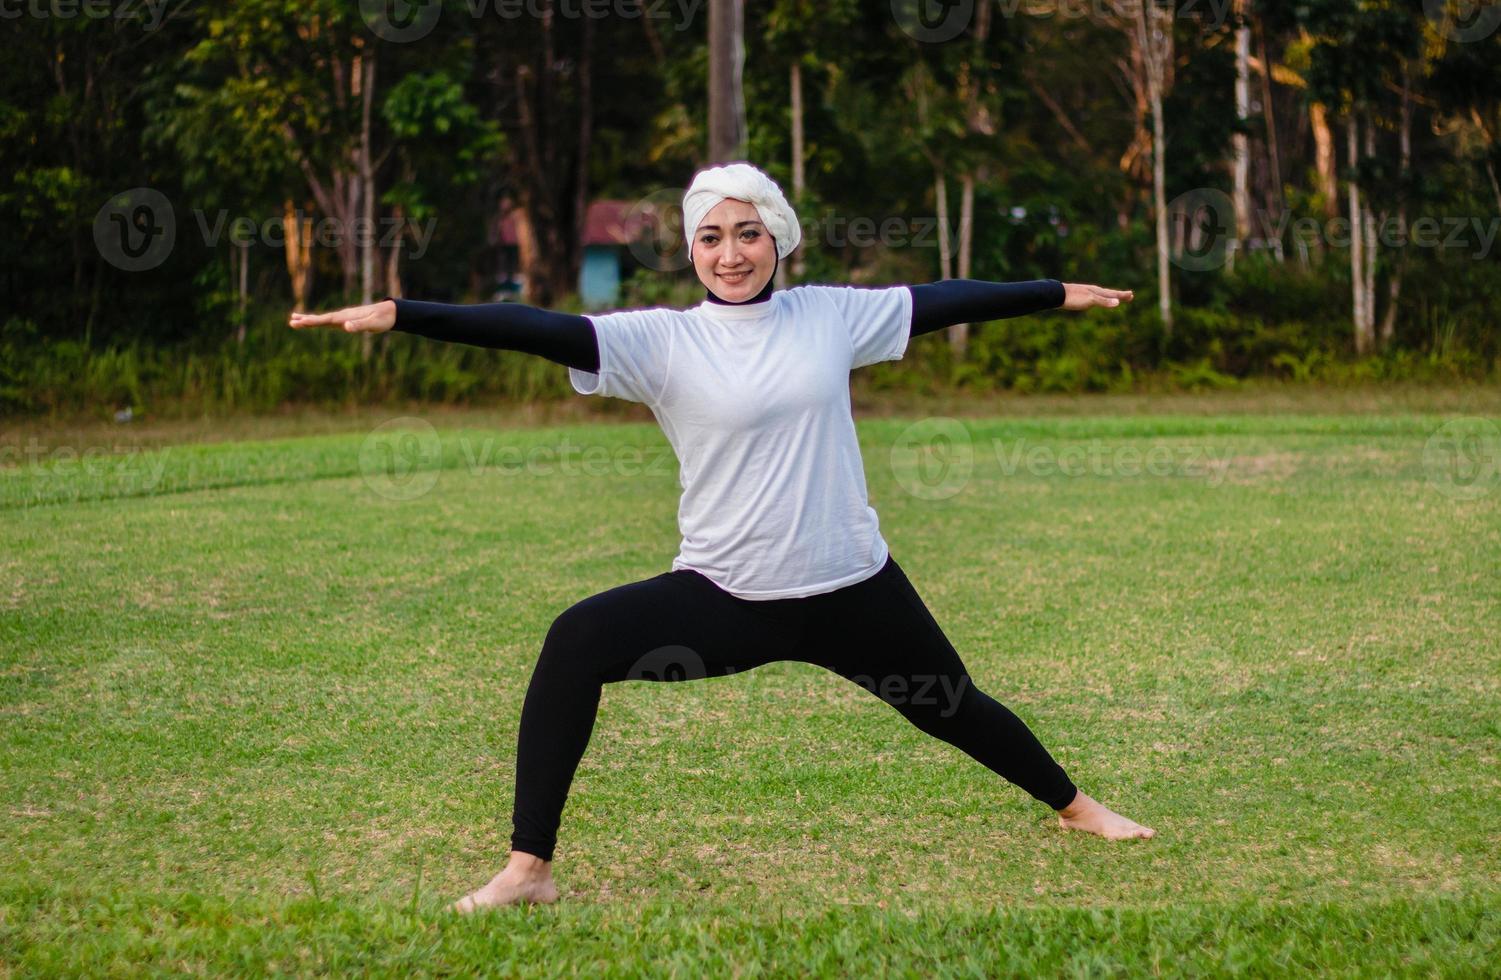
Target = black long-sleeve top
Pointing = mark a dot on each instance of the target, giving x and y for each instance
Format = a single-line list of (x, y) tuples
[(568, 338)]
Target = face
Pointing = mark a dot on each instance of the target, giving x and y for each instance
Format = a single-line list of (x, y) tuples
[(733, 253)]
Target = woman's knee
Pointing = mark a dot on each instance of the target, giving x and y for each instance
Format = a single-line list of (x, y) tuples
[(577, 635), (604, 640)]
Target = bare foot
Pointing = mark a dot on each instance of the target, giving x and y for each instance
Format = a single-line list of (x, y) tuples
[(1087, 814), (526, 879)]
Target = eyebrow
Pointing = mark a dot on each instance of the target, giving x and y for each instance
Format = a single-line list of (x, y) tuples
[(738, 224)]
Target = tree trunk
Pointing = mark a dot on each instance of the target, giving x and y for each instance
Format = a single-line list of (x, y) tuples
[(1323, 141), (547, 182), (1154, 37), (364, 71), (941, 197), (978, 121), (1357, 237), (959, 332), (393, 258), (1368, 230), (1490, 168), (585, 141), (798, 174), (1241, 196), (1273, 154), (243, 290), (726, 65), (299, 253), (1404, 136)]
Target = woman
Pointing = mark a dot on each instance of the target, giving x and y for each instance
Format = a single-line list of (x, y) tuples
[(781, 556)]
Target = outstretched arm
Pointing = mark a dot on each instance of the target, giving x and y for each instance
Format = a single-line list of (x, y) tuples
[(566, 338), (942, 304)]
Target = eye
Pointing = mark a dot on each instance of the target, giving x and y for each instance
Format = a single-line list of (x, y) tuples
[(709, 239), (752, 233)]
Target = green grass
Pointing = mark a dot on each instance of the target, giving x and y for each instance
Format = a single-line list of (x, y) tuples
[(257, 715)]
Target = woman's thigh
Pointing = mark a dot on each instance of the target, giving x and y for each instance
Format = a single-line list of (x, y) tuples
[(673, 626), (881, 635)]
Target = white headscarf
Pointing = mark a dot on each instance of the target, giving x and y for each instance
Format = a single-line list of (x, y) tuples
[(742, 182)]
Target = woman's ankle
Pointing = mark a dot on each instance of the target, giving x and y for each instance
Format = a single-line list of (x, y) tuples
[(1075, 806), (529, 865)]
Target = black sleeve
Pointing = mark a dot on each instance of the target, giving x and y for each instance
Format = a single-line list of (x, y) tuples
[(566, 338), (943, 304)]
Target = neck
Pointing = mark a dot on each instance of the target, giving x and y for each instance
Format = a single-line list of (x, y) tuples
[(761, 297)]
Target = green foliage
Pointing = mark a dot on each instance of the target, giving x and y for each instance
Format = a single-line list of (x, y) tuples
[(243, 108), (274, 366)]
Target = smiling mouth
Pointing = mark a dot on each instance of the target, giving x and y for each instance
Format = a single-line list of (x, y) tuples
[(734, 276)]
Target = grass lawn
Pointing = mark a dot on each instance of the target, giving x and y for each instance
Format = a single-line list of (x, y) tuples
[(259, 698)]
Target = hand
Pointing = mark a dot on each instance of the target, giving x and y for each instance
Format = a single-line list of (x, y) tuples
[(1080, 296), (375, 318)]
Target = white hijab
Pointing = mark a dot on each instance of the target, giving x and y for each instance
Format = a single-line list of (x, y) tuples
[(742, 182)]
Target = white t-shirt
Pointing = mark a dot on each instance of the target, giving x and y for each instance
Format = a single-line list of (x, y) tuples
[(755, 401)]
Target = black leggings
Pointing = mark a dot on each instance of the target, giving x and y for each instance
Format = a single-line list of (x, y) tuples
[(681, 626)]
